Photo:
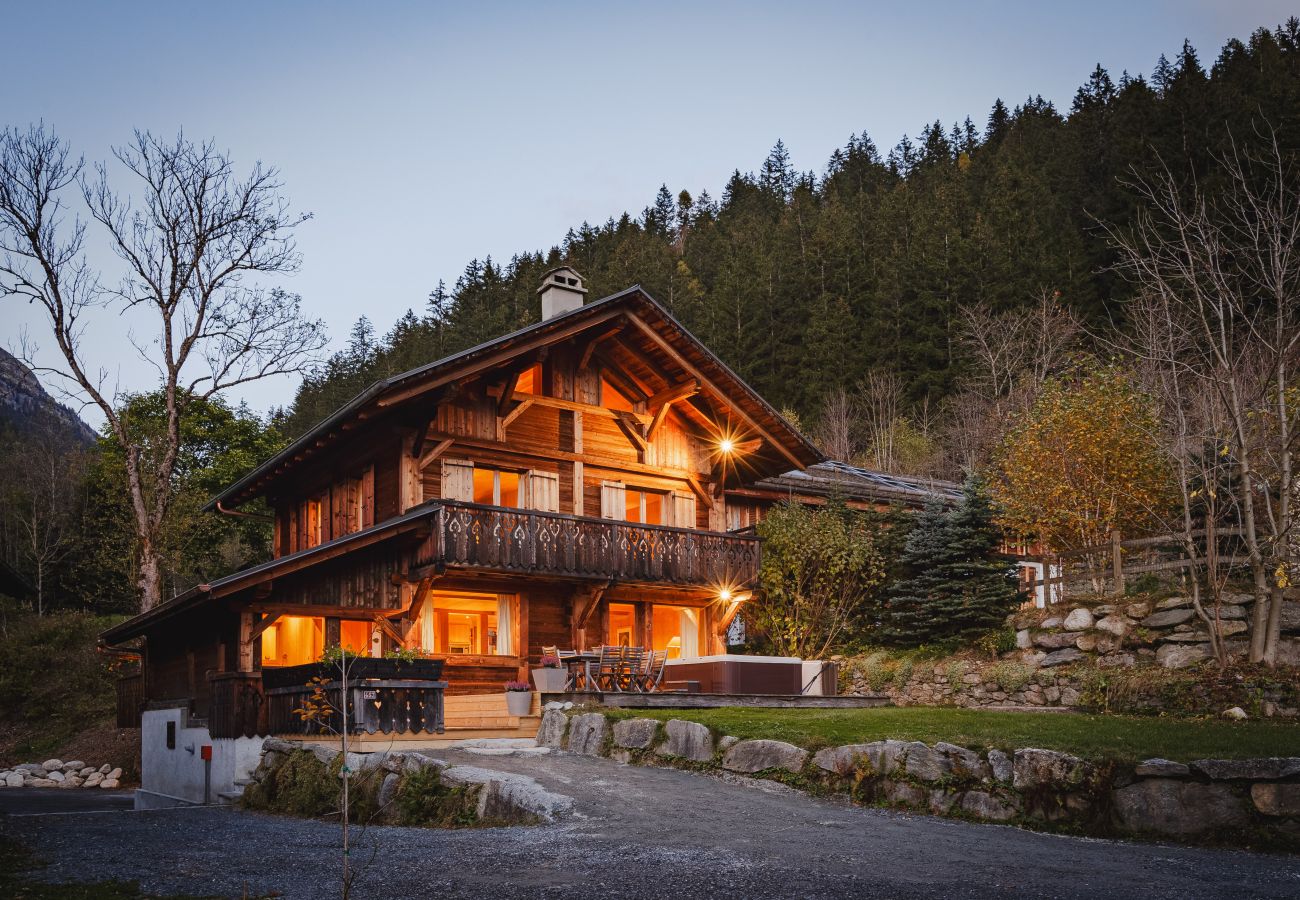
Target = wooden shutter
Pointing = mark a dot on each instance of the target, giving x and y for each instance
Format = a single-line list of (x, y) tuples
[(368, 497), (543, 491), (613, 500), (457, 480), (683, 510)]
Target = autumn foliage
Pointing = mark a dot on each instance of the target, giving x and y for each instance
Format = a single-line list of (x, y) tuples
[(1083, 461)]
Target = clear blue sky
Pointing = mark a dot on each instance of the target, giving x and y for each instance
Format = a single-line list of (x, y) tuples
[(421, 135)]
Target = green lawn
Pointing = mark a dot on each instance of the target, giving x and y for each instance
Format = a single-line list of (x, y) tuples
[(1127, 738)]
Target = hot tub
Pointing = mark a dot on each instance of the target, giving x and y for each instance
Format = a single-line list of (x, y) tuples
[(728, 674)]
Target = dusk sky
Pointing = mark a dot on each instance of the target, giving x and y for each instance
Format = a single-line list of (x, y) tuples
[(420, 136)]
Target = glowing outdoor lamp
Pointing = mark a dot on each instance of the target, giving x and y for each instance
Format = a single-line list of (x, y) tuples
[(724, 594), (727, 445)]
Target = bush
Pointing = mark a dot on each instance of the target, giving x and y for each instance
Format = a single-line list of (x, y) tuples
[(1011, 676), (996, 642), (422, 799)]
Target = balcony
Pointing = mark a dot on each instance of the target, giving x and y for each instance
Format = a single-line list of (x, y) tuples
[(525, 541)]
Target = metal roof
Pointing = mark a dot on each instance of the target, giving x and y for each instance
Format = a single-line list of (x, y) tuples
[(833, 476)]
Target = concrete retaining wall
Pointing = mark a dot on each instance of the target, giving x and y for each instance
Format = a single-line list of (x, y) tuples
[(174, 776)]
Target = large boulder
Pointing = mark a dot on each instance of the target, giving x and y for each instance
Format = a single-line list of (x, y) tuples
[(14, 779), (983, 805), (925, 763), (1048, 768), (1079, 619), (1023, 639), (1180, 656), (965, 763), (1290, 616), (687, 740), (1169, 807), (1139, 609), (587, 734), (635, 734), (1168, 618), (761, 755), (1260, 769), (901, 793), (1055, 641), (878, 757), (52, 765), (1276, 799), (551, 732), (1161, 768), (1115, 625), (1061, 657), (1174, 603)]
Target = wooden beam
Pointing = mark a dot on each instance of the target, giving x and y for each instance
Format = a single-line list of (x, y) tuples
[(573, 405), (584, 604), (494, 360), (387, 628), (630, 427), (518, 411), (660, 415), (592, 344), (698, 489), (508, 388), (438, 450), (614, 374), (418, 447), (246, 641), (266, 622), (674, 393), (724, 621), (669, 349)]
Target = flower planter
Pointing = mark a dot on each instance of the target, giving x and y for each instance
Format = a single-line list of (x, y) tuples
[(550, 681), (519, 703)]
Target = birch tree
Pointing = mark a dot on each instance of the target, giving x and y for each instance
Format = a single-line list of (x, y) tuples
[(188, 249)]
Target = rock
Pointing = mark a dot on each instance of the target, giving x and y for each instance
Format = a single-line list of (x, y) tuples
[(925, 763), (760, 755), (942, 800), (1116, 625), (1055, 641), (1051, 622), (14, 779), (1162, 768), (971, 678), (965, 763), (107, 767), (1086, 642), (1103, 609), (553, 704), (55, 775), (1139, 610), (1167, 618), (1078, 619), (635, 734), (984, 805), (388, 790), (109, 784), (72, 765), (587, 734), (1290, 616), (71, 781), (726, 742), (1069, 696), (1229, 628), (688, 740), (1165, 806), (52, 765), (31, 768), (1061, 657), (1000, 766), (86, 771), (40, 782), (1229, 612), (1034, 768), (93, 779), (1276, 799), (1186, 637), (1179, 656), (1052, 694), (900, 793), (1261, 769), (551, 732), (878, 757), (1023, 639), (1033, 658), (1174, 603), (1235, 712)]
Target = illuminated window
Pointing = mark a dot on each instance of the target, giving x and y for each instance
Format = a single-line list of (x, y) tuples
[(468, 624), (612, 398), (646, 507), (677, 630), (293, 641), (622, 624), (530, 380), (356, 636), (494, 487)]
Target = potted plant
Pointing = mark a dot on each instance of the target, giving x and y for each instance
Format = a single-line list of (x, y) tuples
[(551, 677), (519, 698)]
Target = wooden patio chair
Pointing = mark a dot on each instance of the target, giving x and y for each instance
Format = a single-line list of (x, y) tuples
[(608, 670), (633, 668), (653, 676)]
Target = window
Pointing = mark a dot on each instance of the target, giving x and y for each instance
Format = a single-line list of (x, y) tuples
[(496, 487), (622, 624), (530, 380), (612, 398), (356, 636), (677, 630), (293, 641), (468, 624), (634, 504)]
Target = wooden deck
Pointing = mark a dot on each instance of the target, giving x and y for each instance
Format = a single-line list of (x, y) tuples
[(669, 700)]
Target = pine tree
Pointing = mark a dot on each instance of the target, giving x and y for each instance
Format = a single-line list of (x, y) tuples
[(908, 618)]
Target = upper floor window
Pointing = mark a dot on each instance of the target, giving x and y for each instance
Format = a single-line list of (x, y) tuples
[(530, 380), (612, 398), (496, 487), (647, 506), (531, 489)]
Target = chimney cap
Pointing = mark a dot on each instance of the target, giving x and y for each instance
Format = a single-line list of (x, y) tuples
[(564, 277)]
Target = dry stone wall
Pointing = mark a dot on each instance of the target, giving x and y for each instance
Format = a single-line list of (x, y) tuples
[(1253, 802)]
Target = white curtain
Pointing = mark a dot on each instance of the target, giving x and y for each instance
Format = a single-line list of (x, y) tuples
[(505, 625), (426, 626), (690, 627)]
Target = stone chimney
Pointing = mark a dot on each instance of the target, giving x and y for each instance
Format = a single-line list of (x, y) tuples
[(562, 290)]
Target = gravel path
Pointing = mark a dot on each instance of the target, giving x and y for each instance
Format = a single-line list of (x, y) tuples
[(641, 832)]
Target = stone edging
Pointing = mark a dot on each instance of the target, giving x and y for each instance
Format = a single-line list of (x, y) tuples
[(55, 773), (1253, 802)]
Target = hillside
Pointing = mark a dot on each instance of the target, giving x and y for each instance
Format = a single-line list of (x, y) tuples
[(24, 402)]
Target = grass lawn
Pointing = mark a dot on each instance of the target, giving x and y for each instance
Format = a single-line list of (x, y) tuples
[(1127, 738)]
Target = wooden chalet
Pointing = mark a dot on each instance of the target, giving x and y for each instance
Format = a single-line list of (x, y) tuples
[(566, 484)]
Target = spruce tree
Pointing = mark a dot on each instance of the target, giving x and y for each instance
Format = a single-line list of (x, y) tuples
[(909, 617)]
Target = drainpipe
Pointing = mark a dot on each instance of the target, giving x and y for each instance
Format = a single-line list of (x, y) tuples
[(244, 515)]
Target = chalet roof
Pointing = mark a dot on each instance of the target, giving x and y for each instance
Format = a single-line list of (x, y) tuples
[(645, 318), (832, 477)]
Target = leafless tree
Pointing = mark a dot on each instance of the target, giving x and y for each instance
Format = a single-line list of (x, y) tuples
[(836, 425), (881, 401), (188, 249), (1227, 263)]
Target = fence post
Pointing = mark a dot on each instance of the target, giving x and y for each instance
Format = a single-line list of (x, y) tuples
[(1117, 561)]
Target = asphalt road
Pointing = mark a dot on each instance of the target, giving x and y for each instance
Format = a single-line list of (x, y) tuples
[(643, 833)]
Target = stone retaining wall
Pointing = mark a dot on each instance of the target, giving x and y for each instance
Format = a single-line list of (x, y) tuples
[(1238, 802)]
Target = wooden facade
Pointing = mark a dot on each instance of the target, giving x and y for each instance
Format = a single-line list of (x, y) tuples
[(564, 485)]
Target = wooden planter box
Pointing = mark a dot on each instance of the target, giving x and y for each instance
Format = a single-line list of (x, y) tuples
[(359, 669)]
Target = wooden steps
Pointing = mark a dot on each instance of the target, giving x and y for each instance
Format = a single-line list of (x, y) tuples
[(487, 712)]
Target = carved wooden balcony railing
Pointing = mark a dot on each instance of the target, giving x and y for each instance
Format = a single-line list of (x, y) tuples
[(376, 706), (528, 541)]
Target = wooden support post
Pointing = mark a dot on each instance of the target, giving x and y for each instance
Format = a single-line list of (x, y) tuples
[(1117, 562), (246, 636)]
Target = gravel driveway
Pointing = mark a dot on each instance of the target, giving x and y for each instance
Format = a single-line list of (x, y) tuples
[(641, 832)]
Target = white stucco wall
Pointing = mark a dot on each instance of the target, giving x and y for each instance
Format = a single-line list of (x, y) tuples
[(170, 777)]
